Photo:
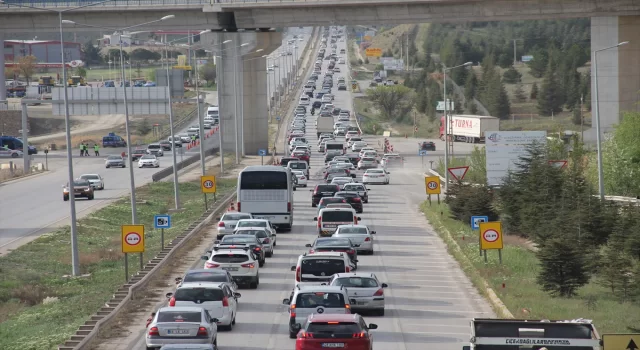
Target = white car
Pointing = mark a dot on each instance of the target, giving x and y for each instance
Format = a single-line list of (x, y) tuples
[(148, 161), (358, 234), (341, 181), (242, 264), (364, 150), (358, 145), (326, 98), (343, 118), (95, 180), (5, 152), (171, 325), (336, 69), (258, 223), (227, 223), (351, 134), (341, 61), (375, 176), (218, 298), (302, 179)]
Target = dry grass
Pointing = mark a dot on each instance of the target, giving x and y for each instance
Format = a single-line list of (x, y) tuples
[(30, 294), (6, 174)]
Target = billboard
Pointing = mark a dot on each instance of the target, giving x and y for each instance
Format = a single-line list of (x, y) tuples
[(450, 106), (373, 52), (527, 58), (177, 80), (104, 100), (504, 149), (391, 63)]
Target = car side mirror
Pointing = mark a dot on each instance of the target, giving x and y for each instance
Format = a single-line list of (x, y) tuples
[(297, 327), (384, 285), (237, 295), (372, 232), (356, 245), (178, 279), (293, 268), (286, 301), (388, 173), (368, 189), (308, 245), (310, 190), (217, 241), (359, 218), (372, 326), (204, 257), (315, 219), (168, 295), (215, 320)]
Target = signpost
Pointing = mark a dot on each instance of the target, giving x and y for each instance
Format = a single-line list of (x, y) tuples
[(458, 173), (476, 220), (440, 106), (491, 238), (161, 222), (278, 118), (208, 185), (132, 241), (629, 341), (373, 52), (504, 149), (558, 163), (432, 185), (46, 159), (422, 153), (262, 152)]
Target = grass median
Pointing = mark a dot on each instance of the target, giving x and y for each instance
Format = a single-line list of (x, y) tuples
[(39, 308), (521, 293)]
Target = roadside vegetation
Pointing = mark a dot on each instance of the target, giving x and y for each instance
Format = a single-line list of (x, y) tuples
[(41, 307)]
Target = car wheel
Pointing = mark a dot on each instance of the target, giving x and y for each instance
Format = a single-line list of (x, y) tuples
[(65, 198), (107, 166), (215, 342), (261, 263), (269, 254), (230, 326), (366, 200), (253, 285), (370, 252), (292, 335), (150, 348), (380, 312), (90, 197), (234, 320)]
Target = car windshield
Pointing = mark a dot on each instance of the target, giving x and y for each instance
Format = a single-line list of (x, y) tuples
[(337, 216), (80, 183), (355, 282), (154, 146), (350, 230), (313, 300), (230, 258), (354, 188), (148, 157), (252, 224), (198, 295), (205, 277), (326, 201), (257, 233), (90, 177), (333, 242), (179, 316), (235, 216), (114, 158), (235, 239)]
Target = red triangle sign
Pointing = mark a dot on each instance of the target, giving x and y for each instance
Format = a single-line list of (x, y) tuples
[(558, 163), (458, 173)]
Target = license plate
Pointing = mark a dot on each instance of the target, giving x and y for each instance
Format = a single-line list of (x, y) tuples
[(264, 217), (178, 331), (230, 268), (333, 345), (330, 226), (361, 303)]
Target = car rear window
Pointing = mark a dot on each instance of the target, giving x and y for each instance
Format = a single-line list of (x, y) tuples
[(326, 188), (356, 282), (198, 295), (205, 277), (326, 266), (357, 230), (354, 187), (257, 233), (235, 217), (337, 216), (333, 242), (297, 165), (334, 327), (252, 224), (178, 316), (347, 195), (230, 258), (154, 146), (326, 201), (315, 299)]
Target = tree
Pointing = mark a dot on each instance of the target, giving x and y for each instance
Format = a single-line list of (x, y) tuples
[(208, 73), (91, 53), (81, 72), (144, 55), (534, 91), (394, 102), (551, 98), (114, 55), (519, 93), (470, 86), (26, 67), (511, 76), (563, 268), (539, 64), (422, 100)]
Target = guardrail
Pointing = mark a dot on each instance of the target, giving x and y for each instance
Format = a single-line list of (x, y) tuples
[(91, 328), (113, 3)]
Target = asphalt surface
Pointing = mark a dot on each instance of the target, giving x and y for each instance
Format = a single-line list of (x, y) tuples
[(429, 301), (284, 62)]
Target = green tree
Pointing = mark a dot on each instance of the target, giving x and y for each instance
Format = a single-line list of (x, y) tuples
[(114, 56), (511, 76), (563, 267), (91, 53), (470, 86), (519, 94), (466, 200), (144, 127), (394, 102), (81, 71), (422, 100), (551, 99), (539, 64), (534, 91), (208, 72), (144, 55)]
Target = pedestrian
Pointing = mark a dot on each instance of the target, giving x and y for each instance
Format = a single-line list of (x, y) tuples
[(193, 140), (123, 154), (96, 149), (86, 149), (81, 149)]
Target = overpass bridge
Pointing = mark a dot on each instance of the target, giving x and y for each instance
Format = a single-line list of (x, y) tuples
[(612, 21)]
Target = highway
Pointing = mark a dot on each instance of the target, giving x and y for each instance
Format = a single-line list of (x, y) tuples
[(429, 301)]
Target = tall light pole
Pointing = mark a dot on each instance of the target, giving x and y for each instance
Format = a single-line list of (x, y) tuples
[(446, 126), (598, 136), (75, 261), (123, 77)]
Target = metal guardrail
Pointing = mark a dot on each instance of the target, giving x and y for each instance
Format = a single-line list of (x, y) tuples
[(113, 3), (91, 328)]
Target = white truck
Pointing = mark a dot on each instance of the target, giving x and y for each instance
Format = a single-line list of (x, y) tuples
[(324, 125), (469, 128)]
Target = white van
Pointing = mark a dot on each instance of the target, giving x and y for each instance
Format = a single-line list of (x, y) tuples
[(330, 218), (299, 165), (304, 101), (214, 113)]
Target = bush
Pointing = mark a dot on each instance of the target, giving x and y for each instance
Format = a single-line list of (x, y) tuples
[(30, 294), (467, 200)]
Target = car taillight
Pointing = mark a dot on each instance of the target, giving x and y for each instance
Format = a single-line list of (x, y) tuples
[(302, 178), (225, 301), (311, 251), (356, 199), (221, 224), (202, 332), (172, 301), (320, 222), (266, 241), (305, 335), (249, 265), (239, 206), (293, 310), (347, 269), (299, 274), (154, 331), (350, 251), (355, 220), (347, 308), (361, 335), (289, 207), (379, 293), (367, 239), (209, 265)]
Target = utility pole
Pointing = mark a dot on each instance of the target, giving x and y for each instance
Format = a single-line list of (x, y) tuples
[(581, 119)]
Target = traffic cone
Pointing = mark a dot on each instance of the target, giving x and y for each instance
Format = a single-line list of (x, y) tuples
[(232, 207)]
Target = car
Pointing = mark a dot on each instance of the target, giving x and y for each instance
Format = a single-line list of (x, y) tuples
[(148, 161), (347, 331), (81, 188), (138, 153), (360, 188), (155, 149), (177, 141), (96, 181), (114, 161), (392, 161), (263, 234), (343, 118), (172, 325), (258, 222), (341, 181), (6, 152), (316, 104), (326, 201), (341, 61), (242, 264), (302, 178), (239, 241), (321, 191), (337, 172), (358, 145), (427, 146), (217, 298), (358, 234), (338, 244), (367, 163), (166, 145), (188, 347), (329, 219), (352, 198), (301, 155), (301, 166), (366, 292), (228, 221), (379, 176), (336, 69), (350, 134), (203, 275), (185, 138), (308, 301)]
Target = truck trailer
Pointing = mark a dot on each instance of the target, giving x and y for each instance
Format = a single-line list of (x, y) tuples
[(469, 128)]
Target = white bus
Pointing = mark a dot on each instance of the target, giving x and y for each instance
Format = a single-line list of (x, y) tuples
[(266, 191)]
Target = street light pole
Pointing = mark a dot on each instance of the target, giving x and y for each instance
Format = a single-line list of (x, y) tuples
[(176, 191), (132, 182), (200, 119), (597, 110), (235, 102)]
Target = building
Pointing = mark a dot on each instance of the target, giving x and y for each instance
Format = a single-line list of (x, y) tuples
[(44, 51)]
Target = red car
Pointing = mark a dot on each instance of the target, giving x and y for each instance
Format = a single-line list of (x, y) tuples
[(324, 331), (301, 155)]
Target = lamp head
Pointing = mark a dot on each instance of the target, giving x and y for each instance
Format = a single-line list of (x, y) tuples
[(66, 21), (227, 41), (468, 64), (259, 50), (205, 31), (623, 43), (245, 44), (167, 17)]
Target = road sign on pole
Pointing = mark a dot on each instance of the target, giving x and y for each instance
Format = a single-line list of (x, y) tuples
[(422, 152), (491, 235), (162, 221), (432, 184), (558, 163), (629, 341), (208, 184), (458, 173), (476, 220), (132, 238)]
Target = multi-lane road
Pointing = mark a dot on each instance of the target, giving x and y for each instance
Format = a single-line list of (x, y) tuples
[(429, 301)]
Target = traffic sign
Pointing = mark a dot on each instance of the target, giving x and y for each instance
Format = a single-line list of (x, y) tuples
[(162, 221), (476, 220), (491, 235), (422, 152), (558, 163), (132, 238), (208, 184), (432, 183), (262, 152), (629, 341), (458, 173), (278, 118)]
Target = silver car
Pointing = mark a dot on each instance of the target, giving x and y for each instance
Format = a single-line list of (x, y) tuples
[(227, 223), (114, 161), (181, 325), (188, 347), (364, 289), (96, 181), (358, 234), (263, 234), (367, 163)]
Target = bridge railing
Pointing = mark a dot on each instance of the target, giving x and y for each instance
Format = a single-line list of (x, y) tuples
[(113, 3)]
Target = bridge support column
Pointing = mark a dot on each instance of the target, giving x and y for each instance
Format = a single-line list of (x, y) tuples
[(252, 95), (618, 69), (3, 88)]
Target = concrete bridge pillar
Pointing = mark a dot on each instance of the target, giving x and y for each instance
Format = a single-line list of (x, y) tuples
[(249, 84), (618, 69), (3, 88)]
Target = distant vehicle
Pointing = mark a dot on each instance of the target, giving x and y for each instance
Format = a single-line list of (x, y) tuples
[(5, 152), (115, 161), (113, 140), (138, 153), (255, 182), (149, 84), (96, 181), (470, 128), (81, 188), (14, 143), (148, 161)]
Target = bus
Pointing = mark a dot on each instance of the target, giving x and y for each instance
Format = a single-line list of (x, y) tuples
[(266, 192)]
